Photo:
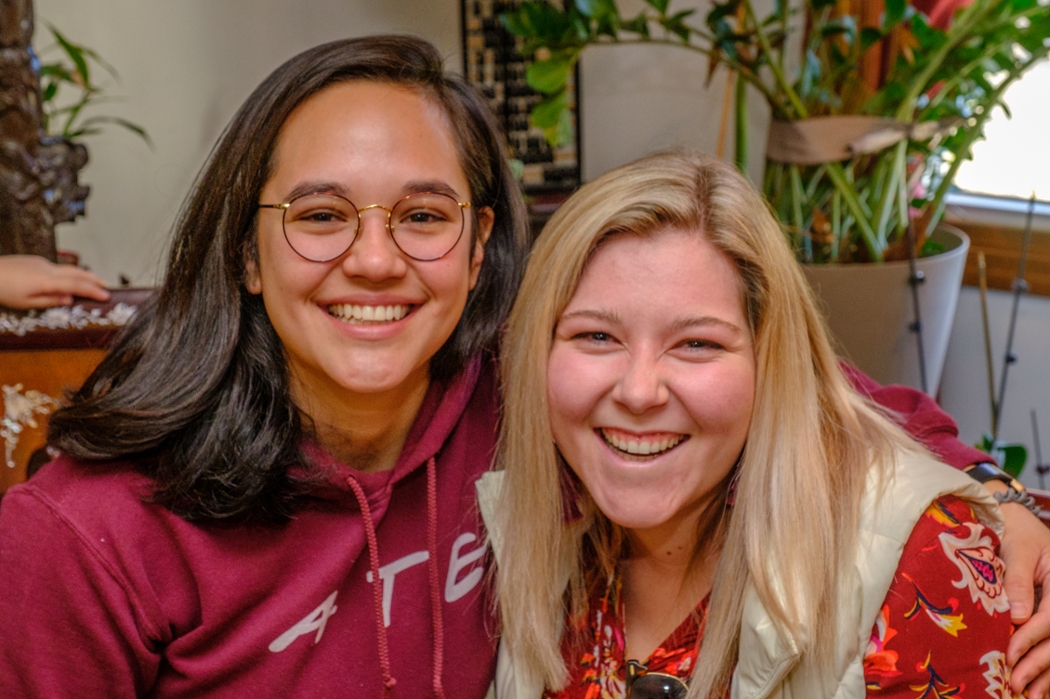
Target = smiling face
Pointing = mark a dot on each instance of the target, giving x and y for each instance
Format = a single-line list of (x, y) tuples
[(651, 377), (368, 322)]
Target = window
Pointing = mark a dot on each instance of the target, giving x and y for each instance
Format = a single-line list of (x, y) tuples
[(1014, 158)]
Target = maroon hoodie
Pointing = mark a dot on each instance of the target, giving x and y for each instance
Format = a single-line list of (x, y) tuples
[(102, 595)]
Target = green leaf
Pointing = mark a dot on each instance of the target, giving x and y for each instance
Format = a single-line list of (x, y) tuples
[(659, 5), (90, 123), (548, 111), (551, 75), (587, 7), (1013, 458), (539, 21), (821, 4), (894, 14), (638, 25), (75, 53), (931, 248), (515, 23), (562, 132), (676, 24), (869, 36)]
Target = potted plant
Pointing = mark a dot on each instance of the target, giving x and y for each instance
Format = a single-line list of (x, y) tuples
[(875, 106)]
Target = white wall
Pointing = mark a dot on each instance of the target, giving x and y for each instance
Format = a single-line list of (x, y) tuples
[(637, 99), (964, 389), (186, 65)]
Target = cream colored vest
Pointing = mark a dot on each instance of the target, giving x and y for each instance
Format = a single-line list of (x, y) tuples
[(769, 666)]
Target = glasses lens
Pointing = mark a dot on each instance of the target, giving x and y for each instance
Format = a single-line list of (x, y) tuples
[(320, 227), (656, 686), (427, 226)]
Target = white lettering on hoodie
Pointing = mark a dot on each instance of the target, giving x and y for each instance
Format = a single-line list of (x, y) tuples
[(314, 621), (454, 588)]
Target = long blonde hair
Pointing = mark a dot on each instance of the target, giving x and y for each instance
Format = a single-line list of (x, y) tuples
[(810, 445)]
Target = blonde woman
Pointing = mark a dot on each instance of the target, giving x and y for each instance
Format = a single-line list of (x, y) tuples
[(695, 502)]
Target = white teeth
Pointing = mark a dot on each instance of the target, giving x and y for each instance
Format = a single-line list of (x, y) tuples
[(367, 314), (643, 447)]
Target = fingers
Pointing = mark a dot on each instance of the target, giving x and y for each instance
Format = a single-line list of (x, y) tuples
[(46, 301), (1026, 552), (30, 281), (1033, 671), (1024, 545), (79, 282)]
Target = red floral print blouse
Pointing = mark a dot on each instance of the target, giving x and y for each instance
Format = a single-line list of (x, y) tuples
[(942, 630)]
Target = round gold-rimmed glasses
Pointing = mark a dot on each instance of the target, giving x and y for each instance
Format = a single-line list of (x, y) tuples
[(321, 226), (642, 684)]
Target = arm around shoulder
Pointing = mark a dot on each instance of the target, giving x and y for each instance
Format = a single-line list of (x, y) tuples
[(945, 623)]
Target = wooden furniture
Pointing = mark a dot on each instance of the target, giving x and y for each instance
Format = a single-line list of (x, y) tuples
[(43, 355)]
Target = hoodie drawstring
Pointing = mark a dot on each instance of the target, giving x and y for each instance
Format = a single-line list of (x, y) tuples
[(432, 575), (377, 584)]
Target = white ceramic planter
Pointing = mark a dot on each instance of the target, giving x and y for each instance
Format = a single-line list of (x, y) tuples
[(869, 310)]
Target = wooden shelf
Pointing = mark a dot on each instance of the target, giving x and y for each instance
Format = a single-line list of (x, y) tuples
[(1002, 253)]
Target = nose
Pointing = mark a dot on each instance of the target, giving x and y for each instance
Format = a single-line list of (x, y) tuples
[(374, 255), (642, 386)]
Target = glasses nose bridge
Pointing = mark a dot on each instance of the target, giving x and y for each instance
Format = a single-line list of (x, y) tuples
[(389, 213)]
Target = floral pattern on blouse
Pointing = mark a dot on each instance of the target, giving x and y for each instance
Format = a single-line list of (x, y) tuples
[(599, 671), (941, 632)]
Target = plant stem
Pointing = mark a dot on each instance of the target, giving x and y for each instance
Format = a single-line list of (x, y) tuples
[(778, 73), (740, 130), (842, 185), (796, 212)]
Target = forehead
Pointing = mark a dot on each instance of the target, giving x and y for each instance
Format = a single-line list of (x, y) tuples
[(662, 258), (363, 129)]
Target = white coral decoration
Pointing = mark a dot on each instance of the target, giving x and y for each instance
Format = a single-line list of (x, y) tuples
[(20, 411), (62, 318)]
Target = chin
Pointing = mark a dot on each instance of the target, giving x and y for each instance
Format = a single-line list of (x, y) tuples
[(636, 517)]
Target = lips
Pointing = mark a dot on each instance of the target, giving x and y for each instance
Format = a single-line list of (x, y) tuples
[(641, 445), (355, 314)]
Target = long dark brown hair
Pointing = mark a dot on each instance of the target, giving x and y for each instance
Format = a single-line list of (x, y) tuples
[(195, 391)]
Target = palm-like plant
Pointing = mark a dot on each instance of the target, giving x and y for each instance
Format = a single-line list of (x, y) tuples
[(933, 87), (72, 68)]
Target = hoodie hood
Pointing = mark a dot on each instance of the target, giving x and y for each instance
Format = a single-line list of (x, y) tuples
[(441, 410)]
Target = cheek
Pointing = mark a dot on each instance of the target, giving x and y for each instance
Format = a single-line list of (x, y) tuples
[(722, 404), (576, 384), (449, 279)]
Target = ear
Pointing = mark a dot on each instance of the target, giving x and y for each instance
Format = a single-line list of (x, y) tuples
[(252, 279), (486, 217)]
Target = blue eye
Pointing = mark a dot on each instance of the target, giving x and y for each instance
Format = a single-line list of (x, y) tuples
[(701, 344), (593, 336)]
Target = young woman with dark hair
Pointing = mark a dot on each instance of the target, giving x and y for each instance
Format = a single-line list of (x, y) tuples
[(268, 487)]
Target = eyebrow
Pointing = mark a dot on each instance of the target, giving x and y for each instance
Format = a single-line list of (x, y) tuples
[(410, 187), (606, 316), (688, 322), (680, 325)]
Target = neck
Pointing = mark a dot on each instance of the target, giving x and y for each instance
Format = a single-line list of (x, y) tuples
[(368, 431), (663, 579)]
